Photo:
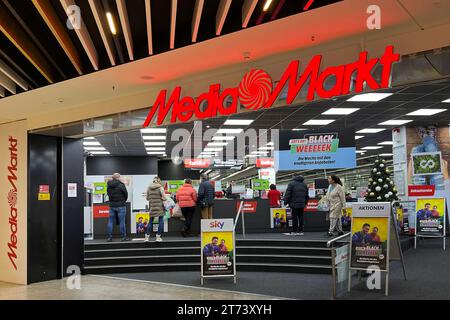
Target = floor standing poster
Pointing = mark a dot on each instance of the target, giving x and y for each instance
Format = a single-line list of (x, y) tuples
[(370, 237), (218, 248), (430, 218)]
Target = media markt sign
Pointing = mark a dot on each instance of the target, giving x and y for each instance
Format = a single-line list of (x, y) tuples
[(256, 89)]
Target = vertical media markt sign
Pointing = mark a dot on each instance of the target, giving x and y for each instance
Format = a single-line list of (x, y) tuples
[(370, 235), (256, 89), (218, 248)]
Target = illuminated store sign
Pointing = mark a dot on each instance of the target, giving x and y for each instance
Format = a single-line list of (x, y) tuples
[(256, 89)]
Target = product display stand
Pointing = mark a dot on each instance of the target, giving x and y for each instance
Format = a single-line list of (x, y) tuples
[(431, 236)]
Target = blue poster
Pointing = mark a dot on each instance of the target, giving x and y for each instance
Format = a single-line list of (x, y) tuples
[(312, 150)]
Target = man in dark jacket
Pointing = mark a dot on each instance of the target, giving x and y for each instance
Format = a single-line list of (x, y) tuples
[(206, 197), (296, 197), (118, 195)]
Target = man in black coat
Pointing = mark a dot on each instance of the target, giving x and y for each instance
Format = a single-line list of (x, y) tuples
[(296, 196), (206, 197), (118, 195)]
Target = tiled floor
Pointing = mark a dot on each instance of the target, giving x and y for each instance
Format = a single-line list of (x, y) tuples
[(103, 288)]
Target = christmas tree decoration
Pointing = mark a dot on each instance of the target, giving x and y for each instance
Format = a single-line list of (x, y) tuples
[(380, 184)]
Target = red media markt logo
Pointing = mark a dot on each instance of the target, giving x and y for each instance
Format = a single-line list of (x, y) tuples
[(255, 89)]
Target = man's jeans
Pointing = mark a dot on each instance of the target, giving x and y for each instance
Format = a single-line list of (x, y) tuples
[(121, 213)]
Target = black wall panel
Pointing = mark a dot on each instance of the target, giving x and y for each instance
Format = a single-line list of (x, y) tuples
[(123, 165), (167, 170), (43, 219), (73, 217)]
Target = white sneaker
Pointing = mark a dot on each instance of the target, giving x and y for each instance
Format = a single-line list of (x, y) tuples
[(147, 238), (158, 238)]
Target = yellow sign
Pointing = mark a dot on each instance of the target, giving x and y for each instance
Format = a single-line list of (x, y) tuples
[(44, 196)]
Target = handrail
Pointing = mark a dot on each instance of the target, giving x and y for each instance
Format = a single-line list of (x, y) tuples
[(329, 243), (238, 215)]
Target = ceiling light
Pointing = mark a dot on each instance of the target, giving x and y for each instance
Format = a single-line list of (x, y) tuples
[(360, 152), (358, 137), (252, 156), (154, 130), (154, 137), (223, 138), (446, 101), (318, 122), (386, 143), (100, 152), (237, 122), (266, 148), (89, 138), (94, 149), (156, 152), (112, 26), (299, 129), (372, 148), (373, 130), (369, 97), (213, 149), (205, 156), (340, 111), (267, 5), (91, 143), (386, 155), (155, 149), (230, 131), (217, 144), (155, 143), (426, 112), (270, 143), (395, 122), (260, 152)]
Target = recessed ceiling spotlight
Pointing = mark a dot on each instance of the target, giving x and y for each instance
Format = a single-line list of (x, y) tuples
[(112, 25)]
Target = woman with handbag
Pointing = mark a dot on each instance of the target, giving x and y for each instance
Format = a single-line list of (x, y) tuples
[(187, 199), (335, 197)]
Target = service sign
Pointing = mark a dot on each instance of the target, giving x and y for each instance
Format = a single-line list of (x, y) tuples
[(218, 248), (197, 163), (430, 217), (370, 227)]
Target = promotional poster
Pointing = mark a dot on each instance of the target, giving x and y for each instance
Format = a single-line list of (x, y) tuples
[(370, 235), (316, 150), (142, 220), (280, 218), (218, 248), (430, 217)]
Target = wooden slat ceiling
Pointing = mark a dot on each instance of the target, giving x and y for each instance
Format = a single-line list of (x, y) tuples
[(39, 46)]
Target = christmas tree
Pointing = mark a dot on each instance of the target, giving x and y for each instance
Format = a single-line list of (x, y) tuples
[(381, 187)]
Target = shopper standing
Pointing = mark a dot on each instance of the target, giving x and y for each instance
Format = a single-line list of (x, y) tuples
[(156, 197), (274, 197), (187, 199), (118, 195), (336, 199), (296, 197), (206, 197)]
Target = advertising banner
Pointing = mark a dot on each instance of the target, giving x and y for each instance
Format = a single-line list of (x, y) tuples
[(100, 187), (174, 185), (101, 211), (316, 150), (13, 203), (248, 207), (280, 218), (426, 163), (197, 163), (218, 248), (260, 184), (142, 220), (369, 244), (430, 217), (421, 191)]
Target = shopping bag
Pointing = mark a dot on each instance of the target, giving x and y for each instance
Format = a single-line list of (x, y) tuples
[(324, 204), (176, 212)]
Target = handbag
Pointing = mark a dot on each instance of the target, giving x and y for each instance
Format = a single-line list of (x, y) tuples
[(176, 212), (324, 204)]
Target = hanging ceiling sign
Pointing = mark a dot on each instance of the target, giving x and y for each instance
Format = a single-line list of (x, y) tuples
[(256, 89)]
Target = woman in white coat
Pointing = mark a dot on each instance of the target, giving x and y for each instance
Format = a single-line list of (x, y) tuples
[(336, 200)]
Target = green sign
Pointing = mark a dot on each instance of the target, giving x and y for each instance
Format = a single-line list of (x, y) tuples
[(260, 184), (426, 163), (100, 187), (174, 185)]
